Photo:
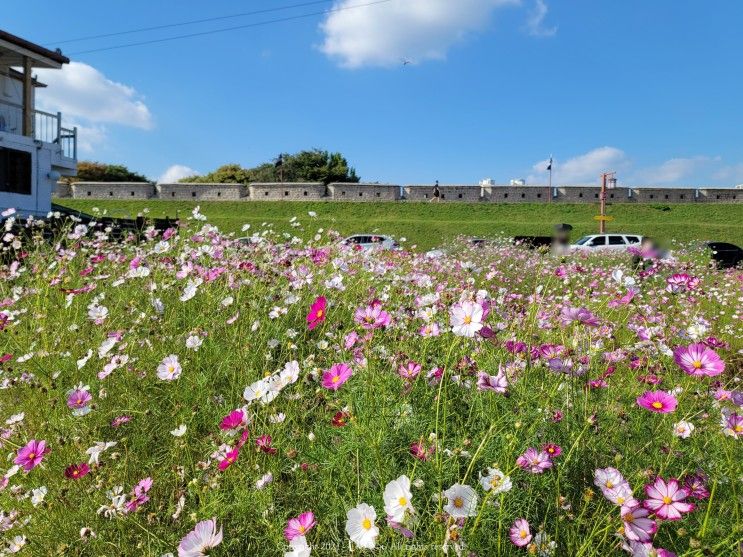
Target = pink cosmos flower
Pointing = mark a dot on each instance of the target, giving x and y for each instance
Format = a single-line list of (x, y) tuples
[(696, 359), (264, 444), (203, 537), (229, 459), (118, 421), (78, 398), (334, 377), (410, 370), (552, 450), (496, 383), (139, 495), (299, 526), (696, 485), (350, 339), (233, 420), (31, 455), (658, 401), (519, 533), (637, 526), (372, 316), (732, 425), (466, 318), (666, 499), (419, 450), (681, 282), (76, 471), (581, 315), (534, 461), (317, 312)]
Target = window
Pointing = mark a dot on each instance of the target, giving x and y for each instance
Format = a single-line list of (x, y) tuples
[(539, 196), (682, 196), (718, 197), (666, 196), (616, 241), (425, 195), (131, 193), (193, 194), (88, 194), (15, 171), (443, 196), (286, 194), (460, 196), (651, 196), (219, 194), (172, 194), (305, 194), (361, 194), (265, 193), (379, 194), (505, 195), (523, 195), (611, 195), (580, 194), (596, 195), (343, 193), (598, 241), (633, 239), (110, 194)]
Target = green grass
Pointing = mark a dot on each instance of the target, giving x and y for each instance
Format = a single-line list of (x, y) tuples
[(429, 225)]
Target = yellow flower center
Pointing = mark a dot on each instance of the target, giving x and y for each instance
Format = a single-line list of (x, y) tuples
[(495, 482), (697, 364), (667, 500), (609, 484), (319, 313), (522, 534), (336, 378), (31, 455), (738, 428), (620, 500), (657, 405), (301, 529), (402, 501), (458, 502), (75, 472), (467, 319), (366, 524)]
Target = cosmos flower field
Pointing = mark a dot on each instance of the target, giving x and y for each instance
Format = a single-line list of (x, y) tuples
[(186, 393)]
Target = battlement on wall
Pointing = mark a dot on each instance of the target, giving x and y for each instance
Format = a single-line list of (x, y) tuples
[(341, 191)]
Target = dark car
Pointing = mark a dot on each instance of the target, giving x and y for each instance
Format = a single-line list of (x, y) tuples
[(725, 255)]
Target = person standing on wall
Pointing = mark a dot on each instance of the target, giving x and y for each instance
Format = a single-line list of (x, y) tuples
[(436, 192)]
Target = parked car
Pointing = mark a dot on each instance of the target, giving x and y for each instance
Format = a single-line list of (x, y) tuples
[(725, 256), (607, 242), (371, 241)]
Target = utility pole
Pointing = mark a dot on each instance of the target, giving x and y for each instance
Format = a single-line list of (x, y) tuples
[(549, 191), (606, 177)]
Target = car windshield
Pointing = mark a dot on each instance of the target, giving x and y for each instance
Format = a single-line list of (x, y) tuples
[(583, 240)]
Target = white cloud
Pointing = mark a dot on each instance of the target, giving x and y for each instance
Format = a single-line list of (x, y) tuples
[(673, 170), (415, 30), (88, 137), (175, 172), (80, 91), (584, 168), (535, 22), (730, 173)]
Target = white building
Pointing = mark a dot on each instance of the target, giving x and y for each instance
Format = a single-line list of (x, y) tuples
[(35, 149)]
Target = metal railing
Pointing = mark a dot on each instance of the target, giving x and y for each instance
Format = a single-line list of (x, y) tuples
[(47, 127)]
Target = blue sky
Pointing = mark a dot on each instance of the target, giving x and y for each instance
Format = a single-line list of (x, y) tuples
[(649, 89)]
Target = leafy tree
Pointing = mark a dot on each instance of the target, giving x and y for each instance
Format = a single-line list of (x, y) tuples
[(90, 171), (306, 166)]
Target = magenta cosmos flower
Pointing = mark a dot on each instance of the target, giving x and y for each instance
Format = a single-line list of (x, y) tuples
[(78, 398), (299, 526), (658, 401), (317, 312), (519, 533), (233, 420), (666, 499), (229, 459), (76, 471), (496, 383), (534, 461), (30, 456), (697, 359), (334, 377)]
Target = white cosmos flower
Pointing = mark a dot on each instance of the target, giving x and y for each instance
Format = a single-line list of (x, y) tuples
[(299, 548), (462, 501), (180, 431), (203, 537), (193, 342), (169, 369), (360, 526), (264, 480), (37, 495), (397, 499), (96, 450), (466, 318), (496, 481), (97, 313), (257, 391), (683, 429), (277, 418)]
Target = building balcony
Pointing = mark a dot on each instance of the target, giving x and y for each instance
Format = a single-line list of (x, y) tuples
[(47, 127)]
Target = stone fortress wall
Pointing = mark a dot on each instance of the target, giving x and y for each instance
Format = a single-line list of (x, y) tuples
[(317, 191)]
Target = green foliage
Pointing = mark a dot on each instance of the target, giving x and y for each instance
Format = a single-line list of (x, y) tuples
[(91, 171), (306, 166)]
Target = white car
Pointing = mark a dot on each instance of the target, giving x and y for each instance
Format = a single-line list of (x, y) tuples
[(607, 242), (371, 241)]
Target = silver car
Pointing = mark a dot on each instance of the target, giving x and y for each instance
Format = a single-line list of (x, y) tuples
[(607, 242), (371, 241)]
